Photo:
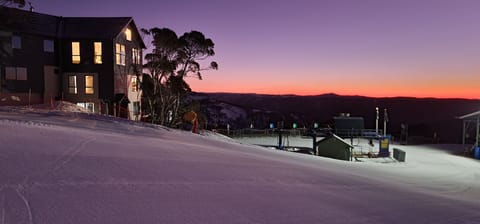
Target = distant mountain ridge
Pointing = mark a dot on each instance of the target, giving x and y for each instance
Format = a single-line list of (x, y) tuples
[(426, 117)]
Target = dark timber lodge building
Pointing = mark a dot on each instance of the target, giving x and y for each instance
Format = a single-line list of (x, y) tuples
[(92, 62)]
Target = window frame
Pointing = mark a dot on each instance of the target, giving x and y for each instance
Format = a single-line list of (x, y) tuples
[(76, 56), (49, 46), (16, 42), (128, 34), (22, 74), (97, 53), (136, 56), (89, 87), (16, 73), (73, 87), (120, 54), (10, 73)]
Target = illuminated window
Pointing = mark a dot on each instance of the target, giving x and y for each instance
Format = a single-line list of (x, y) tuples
[(16, 42), (134, 84), (89, 84), (15, 73), (120, 54), (48, 46), (76, 52), (136, 56), (128, 34), (97, 52), (88, 105), (72, 84)]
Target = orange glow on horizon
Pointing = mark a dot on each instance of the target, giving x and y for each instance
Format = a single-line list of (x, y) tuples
[(346, 93), (444, 84), (419, 90)]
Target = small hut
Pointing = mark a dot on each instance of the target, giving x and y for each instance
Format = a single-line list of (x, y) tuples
[(334, 147)]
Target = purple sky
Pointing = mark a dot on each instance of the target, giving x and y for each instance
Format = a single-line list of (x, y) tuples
[(425, 48)]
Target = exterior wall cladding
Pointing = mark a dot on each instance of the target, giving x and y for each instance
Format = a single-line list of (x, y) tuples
[(41, 45)]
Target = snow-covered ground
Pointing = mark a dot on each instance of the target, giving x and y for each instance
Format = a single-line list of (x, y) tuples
[(61, 167)]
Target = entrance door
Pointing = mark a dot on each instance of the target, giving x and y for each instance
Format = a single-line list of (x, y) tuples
[(52, 83)]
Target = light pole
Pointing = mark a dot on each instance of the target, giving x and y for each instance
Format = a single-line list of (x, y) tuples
[(376, 121), (385, 120)]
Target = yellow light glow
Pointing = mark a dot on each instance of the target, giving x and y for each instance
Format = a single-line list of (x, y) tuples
[(76, 52), (89, 84), (98, 52), (128, 34), (134, 84)]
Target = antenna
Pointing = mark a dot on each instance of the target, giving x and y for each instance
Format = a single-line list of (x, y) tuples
[(31, 6)]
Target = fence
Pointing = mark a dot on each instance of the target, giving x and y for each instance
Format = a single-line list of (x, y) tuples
[(358, 133), (248, 132)]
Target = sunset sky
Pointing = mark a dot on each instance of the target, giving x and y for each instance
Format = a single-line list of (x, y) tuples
[(420, 48)]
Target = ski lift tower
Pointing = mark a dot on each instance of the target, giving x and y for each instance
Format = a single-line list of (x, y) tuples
[(468, 121)]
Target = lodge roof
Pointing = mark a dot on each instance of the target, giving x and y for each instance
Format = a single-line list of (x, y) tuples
[(68, 27)]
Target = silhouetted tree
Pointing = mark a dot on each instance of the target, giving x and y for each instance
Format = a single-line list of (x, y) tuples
[(161, 64), (172, 59), (18, 3), (194, 48)]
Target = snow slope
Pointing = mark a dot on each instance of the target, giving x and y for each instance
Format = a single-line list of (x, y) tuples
[(59, 167)]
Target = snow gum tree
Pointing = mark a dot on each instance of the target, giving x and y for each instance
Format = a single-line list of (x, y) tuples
[(19, 3), (173, 59)]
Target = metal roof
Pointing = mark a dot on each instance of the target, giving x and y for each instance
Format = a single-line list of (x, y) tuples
[(94, 27), (336, 137), (30, 22), (69, 27), (470, 116)]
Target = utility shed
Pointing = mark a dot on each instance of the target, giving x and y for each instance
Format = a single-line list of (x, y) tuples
[(334, 147), (469, 120)]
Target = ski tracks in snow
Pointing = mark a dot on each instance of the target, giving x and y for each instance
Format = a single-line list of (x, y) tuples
[(70, 154), (14, 195), (19, 191), (2, 221), (25, 202)]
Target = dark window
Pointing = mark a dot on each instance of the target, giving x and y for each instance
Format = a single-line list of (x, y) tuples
[(16, 42), (15, 73), (48, 46)]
